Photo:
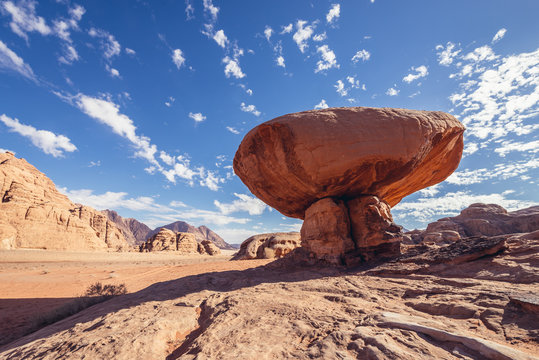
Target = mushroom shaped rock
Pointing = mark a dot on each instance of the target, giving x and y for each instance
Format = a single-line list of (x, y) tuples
[(377, 155)]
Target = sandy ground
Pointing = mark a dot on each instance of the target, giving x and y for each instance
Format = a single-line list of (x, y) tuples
[(34, 282)]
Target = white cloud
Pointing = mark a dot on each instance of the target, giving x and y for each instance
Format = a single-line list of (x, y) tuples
[(233, 68), (232, 130), (333, 13), (247, 203), (470, 148), (6, 150), (198, 117), (220, 38), (287, 29), (502, 98), (499, 35), (177, 204), (420, 71), (509, 146), (178, 58), (302, 34), (94, 163), (249, 92), (280, 61), (328, 61), (12, 62), (320, 37), (249, 108), (111, 47), (429, 208), (267, 32), (321, 105), (170, 101), (47, 141), (210, 8), (340, 88), (107, 112), (113, 72), (70, 55), (430, 191), (361, 55), (500, 171), (24, 18), (392, 92), (483, 53), (189, 10), (447, 54), (130, 51)]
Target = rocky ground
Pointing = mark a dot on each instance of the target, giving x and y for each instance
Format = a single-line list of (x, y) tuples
[(476, 299)]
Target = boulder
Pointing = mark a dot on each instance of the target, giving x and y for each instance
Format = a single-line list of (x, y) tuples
[(34, 214), (208, 247), (268, 246), (351, 165)]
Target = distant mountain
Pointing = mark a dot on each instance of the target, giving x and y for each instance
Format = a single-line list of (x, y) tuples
[(134, 231), (201, 233)]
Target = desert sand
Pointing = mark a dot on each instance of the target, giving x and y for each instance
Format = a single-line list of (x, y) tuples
[(34, 282)]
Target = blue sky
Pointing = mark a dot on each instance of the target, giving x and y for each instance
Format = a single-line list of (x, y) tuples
[(140, 106)]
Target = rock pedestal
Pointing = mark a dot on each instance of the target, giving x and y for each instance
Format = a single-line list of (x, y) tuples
[(350, 232)]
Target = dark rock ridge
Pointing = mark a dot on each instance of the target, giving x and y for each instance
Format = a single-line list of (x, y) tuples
[(134, 231), (478, 220), (268, 246), (201, 233)]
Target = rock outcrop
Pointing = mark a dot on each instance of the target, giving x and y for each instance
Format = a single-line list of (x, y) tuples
[(479, 220), (328, 160), (268, 246), (181, 242), (33, 214), (201, 233), (134, 231)]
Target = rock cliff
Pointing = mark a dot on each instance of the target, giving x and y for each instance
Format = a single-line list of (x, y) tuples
[(201, 233), (134, 231), (181, 242), (33, 214)]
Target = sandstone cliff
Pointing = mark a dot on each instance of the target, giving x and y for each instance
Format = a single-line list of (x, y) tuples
[(33, 214)]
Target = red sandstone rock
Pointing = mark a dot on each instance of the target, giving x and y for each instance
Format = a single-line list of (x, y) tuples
[(294, 160), (268, 246)]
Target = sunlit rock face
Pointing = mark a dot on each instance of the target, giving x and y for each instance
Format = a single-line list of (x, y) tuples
[(342, 169)]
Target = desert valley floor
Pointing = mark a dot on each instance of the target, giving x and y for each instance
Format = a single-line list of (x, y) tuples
[(34, 282)]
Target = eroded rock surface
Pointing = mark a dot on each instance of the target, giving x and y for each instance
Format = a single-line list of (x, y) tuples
[(479, 220), (296, 159), (419, 309), (180, 242), (201, 233), (33, 214), (268, 246)]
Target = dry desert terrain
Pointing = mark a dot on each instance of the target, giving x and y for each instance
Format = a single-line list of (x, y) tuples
[(35, 282)]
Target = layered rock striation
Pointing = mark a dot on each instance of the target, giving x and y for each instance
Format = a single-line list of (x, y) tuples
[(268, 246), (180, 242), (33, 214), (134, 231), (342, 169)]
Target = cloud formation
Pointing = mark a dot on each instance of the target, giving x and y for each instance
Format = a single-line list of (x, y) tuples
[(49, 142), (420, 71), (328, 61), (9, 61)]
